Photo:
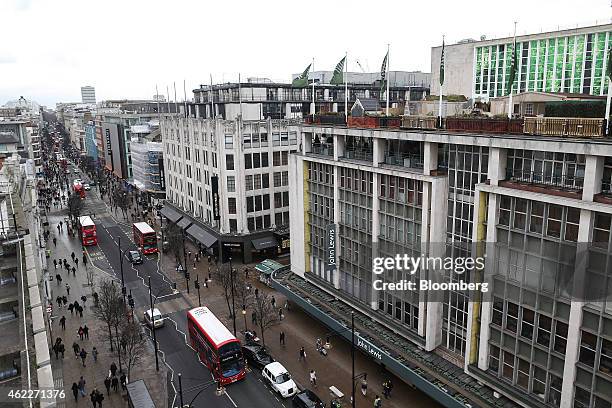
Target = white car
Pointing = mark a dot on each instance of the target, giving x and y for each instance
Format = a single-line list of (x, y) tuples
[(154, 318), (86, 186), (280, 379)]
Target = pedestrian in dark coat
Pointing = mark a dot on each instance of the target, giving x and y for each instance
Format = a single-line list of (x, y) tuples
[(99, 399), (107, 384), (113, 369), (71, 308), (115, 383), (62, 348), (80, 333), (76, 349), (83, 355), (81, 311), (63, 322), (93, 397), (123, 380), (86, 331), (75, 391)]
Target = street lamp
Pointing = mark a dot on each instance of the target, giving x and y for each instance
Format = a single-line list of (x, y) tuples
[(244, 316), (153, 325), (233, 303), (123, 290), (197, 286)]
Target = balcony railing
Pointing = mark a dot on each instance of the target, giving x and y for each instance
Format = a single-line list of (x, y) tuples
[(484, 125), (326, 120), (323, 149), (567, 182), (419, 122), (359, 154), (413, 161), (574, 127), (371, 122)]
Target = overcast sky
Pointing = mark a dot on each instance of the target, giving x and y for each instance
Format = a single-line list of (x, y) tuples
[(50, 48)]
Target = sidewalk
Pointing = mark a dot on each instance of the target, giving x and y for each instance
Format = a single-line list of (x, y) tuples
[(300, 330), (70, 369)]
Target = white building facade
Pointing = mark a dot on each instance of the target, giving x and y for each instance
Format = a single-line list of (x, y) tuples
[(541, 210)]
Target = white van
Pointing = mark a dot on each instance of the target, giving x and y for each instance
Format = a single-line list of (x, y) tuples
[(280, 379), (155, 316)]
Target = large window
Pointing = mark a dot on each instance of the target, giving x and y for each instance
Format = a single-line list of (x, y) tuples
[(229, 161)]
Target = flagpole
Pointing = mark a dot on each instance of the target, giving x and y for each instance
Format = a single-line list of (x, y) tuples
[(510, 107), (185, 98), (387, 112), (240, 96), (157, 97), (346, 87), (175, 107), (168, 101), (313, 92), (441, 85), (212, 106), (608, 100)]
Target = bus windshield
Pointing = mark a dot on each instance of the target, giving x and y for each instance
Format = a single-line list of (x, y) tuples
[(231, 359)]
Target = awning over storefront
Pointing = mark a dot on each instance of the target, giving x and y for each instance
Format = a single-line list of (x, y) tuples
[(184, 223), (171, 214), (264, 243), (201, 235), (268, 267)]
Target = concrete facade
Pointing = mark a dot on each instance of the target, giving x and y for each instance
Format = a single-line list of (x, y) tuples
[(531, 338)]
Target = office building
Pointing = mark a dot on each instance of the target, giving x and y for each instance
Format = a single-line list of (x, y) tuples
[(148, 162), (227, 162), (539, 207), (88, 95), (568, 61), (26, 297)]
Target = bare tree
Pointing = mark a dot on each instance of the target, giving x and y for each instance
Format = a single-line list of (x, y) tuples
[(75, 205), (107, 310), (135, 344), (174, 237), (242, 291), (222, 276), (266, 314)]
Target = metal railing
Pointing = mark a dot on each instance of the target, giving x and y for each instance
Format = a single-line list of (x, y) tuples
[(323, 149), (410, 160), (568, 182), (573, 127), (359, 154)]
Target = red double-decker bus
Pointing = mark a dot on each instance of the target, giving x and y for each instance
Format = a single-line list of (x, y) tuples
[(217, 347), (78, 188), (145, 237), (87, 231)]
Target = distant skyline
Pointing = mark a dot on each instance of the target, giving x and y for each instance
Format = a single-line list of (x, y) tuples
[(124, 48)]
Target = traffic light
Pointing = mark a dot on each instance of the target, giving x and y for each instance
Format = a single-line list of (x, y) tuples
[(197, 284)]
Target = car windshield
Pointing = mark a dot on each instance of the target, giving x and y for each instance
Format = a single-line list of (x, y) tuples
[(135, 254), (262, 354), (282, 378)]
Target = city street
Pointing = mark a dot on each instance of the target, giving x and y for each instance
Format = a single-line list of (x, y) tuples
[(180, 358)]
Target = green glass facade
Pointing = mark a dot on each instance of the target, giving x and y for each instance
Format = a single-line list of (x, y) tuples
[(571, 63)]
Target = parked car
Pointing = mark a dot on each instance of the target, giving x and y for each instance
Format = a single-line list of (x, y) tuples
[(86, 186), (153, 318), (256, 355), (134, 257), (307, 399), (279, 379)]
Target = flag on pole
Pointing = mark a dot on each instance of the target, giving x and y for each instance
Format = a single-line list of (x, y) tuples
[(302, 80), (383, 73), (609, 64), (513, 64), (338, 77), (442, 64)]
